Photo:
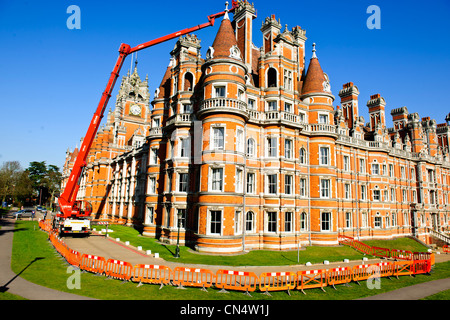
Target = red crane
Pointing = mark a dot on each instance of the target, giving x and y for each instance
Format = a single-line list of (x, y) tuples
[(76, 209)]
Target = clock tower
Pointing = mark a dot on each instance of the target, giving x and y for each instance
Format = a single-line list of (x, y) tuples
[(131, 113)]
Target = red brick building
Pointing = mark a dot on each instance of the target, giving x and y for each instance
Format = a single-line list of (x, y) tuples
[(244, 149)]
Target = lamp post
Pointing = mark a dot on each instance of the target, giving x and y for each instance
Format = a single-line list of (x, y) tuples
[(177, 250)]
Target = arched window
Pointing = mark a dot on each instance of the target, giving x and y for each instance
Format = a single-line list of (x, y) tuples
[(249, 221), (250, 147), (303, 221), (302, 156), (188, 82), (272, 77)]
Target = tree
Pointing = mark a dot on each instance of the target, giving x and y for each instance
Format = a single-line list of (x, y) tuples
[(9, 173), (45, 180)]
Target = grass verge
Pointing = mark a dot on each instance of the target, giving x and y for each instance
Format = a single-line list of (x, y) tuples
[(35, 258)]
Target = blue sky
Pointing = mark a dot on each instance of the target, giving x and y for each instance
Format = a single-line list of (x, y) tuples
[(51, 77)]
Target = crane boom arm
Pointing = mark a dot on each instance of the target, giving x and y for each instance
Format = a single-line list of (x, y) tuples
[(67, 200)]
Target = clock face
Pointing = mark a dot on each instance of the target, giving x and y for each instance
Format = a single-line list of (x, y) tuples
[(135, 109)]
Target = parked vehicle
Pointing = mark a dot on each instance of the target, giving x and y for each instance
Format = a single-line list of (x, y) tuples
[(25, 213)]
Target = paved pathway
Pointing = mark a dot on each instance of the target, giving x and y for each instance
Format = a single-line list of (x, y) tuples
[(111, 249), (13, 283)]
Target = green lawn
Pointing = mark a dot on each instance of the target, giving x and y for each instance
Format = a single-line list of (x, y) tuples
[(36, 260), (399, 243), (252, 258)]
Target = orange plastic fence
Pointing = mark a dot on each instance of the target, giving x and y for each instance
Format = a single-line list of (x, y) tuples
[(339, 276), (380, 252), (193, 277), (236, 280), (74, 258), (277, 281), (308, 279), (154, 274), (403, 268), (362, 272), (446, 249), (421, 266), (91, 263), (401, 254), (118, 269), (385, 269)]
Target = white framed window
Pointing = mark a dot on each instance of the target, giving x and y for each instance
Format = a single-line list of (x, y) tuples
[(183, 182), (272, 183), (288, 186), (303, 187), (239, 180), (348, 220), (303, 221), (250, 182), (323, 118), (151, 185), (363, 192), (288, 107), (238, 222), (378, 222), (302, 156), (185, 144), (271, 146), (364, 221), (240, 140), (220, 91), (249, 221), (362, 165), (325, 188), (186, 108), (153, 156), (272, 105), (215, 222), (347, 191), (150, 216), (324, 154), (346, 163), (392, 194), (288, 221), (287, 79), (375, 168), (391, 170), (218, 138), (251, 148), (394, 219), (325, 221), (405, 219), (169, 181), (288, 148), (217, 179), (271, 221), (376, 195), (251, 104)]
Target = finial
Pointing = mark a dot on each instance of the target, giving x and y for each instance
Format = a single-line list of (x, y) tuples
[(314, 51), (226, 11)]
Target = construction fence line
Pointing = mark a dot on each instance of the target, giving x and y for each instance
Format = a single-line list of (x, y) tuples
[(411, 264)]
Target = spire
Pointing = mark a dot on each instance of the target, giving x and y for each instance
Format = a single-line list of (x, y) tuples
[(316, 80), (225, 44)]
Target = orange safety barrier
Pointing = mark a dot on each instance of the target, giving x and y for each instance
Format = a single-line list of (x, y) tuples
[(403, 268), (401, 254), (446, 249), (362, 272), (421, 266), (339, 276), (424, 256), (277, 281), (385, 269), (153, 274), (379, 252), (309, 279), (236, 280), (118, 269), (74, 258), (93, 263), (193, 277)]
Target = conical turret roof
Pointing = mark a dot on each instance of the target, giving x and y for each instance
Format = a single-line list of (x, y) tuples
[(225, 44), (315, 80)]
